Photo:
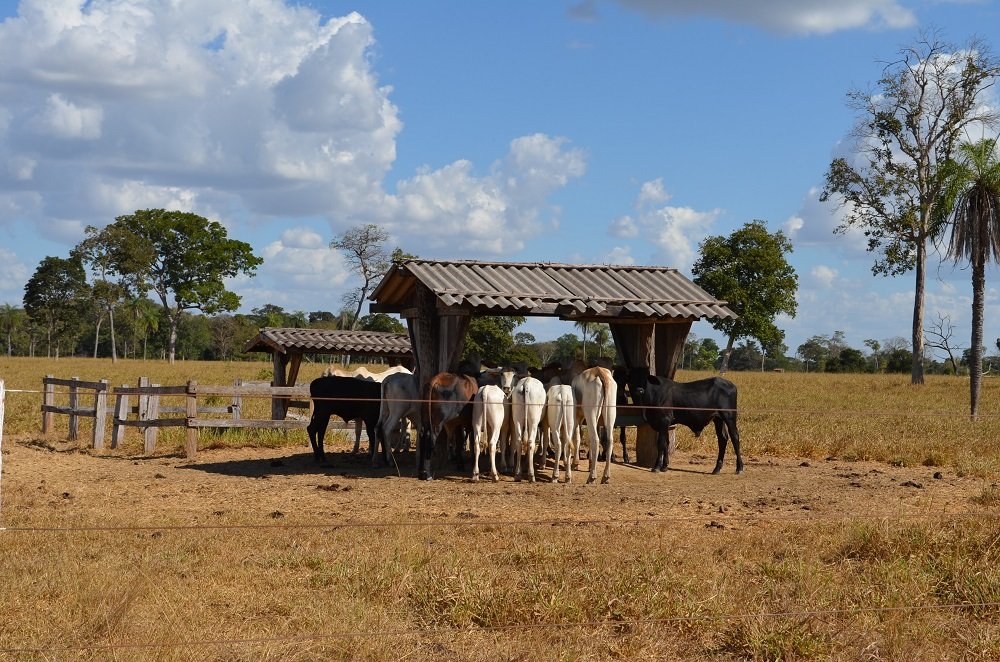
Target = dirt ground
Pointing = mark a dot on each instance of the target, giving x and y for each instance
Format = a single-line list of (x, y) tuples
[(52, 483)]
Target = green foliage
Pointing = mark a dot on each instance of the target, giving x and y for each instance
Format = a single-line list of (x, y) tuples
[(567, 348), (56, 296), (491, 338), (907, 131), (177, 255), (381, 322), (748, 269)]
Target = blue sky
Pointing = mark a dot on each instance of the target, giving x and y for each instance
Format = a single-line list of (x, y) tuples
[(604, 131)]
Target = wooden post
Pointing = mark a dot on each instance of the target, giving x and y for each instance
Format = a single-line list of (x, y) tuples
[(121, 415), (645, 444), (237, 403), (100, 414), (74, 401), (151, 434), (49, 399), (192, 414), (279, 405)]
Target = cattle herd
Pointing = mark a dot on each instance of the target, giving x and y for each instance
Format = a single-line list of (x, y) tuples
[(518, 418)]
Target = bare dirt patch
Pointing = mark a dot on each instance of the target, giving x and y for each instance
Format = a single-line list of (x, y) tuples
[(46, 482)]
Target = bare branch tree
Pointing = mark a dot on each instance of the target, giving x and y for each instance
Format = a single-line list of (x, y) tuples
[(938, 336), (363, 247)]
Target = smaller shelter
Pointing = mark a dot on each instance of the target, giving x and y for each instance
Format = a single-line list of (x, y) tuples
[(288, 345)]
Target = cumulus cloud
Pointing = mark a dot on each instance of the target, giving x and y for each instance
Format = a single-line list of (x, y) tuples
[(490, 214), (824, 275), (247, 113), (673, 231), (787, 16)]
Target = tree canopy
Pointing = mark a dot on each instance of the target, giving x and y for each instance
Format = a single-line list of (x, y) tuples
[(749, 270), (181, 257), (907, 128)]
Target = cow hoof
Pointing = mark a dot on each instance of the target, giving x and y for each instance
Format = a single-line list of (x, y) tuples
[(717, 471), (517, 479), (475, 479), (655, 470), (605, 480), (496, 478), (739, 471), (591, 480)]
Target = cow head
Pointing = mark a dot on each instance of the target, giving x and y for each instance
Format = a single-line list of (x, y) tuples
[(638, 382)]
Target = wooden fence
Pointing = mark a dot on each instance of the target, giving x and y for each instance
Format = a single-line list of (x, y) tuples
[(148, 410)]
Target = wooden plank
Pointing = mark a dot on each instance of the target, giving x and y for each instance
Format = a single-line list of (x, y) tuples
[(68, 411), (121, 414), (48, 400), (150, 434), (192, 415), (96, 386), (100, 415), (290, 424), (158, 423), (254, 389), (143, 391), (74, 402)]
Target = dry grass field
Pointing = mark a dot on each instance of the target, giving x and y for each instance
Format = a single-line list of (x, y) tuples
[(865, 527)]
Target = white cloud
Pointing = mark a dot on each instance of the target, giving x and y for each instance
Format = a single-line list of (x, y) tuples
[(64, 119), (619, 255), (495, 214), (824, 275), (674, 232), (787, 16)]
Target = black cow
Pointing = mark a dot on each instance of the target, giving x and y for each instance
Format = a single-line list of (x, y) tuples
[(346, 397), (665, 402)]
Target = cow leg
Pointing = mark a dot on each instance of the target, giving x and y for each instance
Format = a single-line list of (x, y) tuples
[(532, 439), (317, 429), (608, 442), (357, 436), (624, 447), (734, 435), (555, 440), (660, 463), (475, 438), (425, 454), (593, 435)]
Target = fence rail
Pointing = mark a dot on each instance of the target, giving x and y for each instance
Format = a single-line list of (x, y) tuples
[(149, 411)]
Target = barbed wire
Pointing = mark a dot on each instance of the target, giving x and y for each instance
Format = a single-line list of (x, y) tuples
[(743, 411)]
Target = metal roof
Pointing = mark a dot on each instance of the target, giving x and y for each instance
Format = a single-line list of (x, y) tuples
[(569, 291), (328, 341)]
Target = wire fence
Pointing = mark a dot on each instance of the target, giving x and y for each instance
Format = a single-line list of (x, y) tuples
[(400, 633)]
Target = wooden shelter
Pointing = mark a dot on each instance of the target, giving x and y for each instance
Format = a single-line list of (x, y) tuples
[(287, 347), (649, 309)]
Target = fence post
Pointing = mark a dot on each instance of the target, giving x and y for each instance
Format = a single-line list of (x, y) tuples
[(100, 414), (48, 398), (74, 420), (192, 415), (3, 397), (151, 434), (237, 403), (121, 415)]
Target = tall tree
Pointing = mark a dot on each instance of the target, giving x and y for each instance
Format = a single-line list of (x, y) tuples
[(95, 251), (907, 128), (586, 329), (181, 257), (11, 319), (54, 296), (363, 247), (749, 270), (971, 202)]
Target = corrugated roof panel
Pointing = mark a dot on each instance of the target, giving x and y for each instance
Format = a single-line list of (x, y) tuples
[(330, 341), (522, 288)]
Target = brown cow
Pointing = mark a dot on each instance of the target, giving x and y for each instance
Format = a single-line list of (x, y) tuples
[(448, 401)]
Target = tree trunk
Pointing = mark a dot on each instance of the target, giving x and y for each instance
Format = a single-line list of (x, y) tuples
[(917, 367), (976, 355), (726, 354), (111, 322), (173, 341), (97, 334)]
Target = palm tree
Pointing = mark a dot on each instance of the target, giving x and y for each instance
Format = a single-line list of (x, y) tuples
[(585, 328), (971, 203)]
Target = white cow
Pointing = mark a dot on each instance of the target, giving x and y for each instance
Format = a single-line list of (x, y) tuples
[(399, 408), (596, 395), (527, 404), (560, 426), (487, 419)]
